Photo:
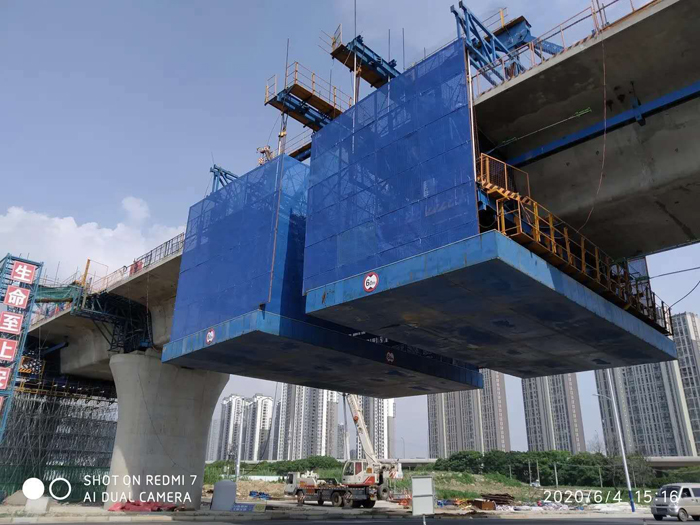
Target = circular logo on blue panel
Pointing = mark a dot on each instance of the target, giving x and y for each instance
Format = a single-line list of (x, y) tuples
[(211, 335), (370, 282)]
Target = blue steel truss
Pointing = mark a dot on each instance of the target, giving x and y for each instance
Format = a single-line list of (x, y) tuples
[(484, 47), (373, 68), (221, 177)]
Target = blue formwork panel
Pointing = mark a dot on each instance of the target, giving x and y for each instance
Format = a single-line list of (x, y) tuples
[(490, 302), (393, 176), (244, 249), (267, 346), (241, 283)]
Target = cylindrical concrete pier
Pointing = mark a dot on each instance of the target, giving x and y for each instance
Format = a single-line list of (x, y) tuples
[(164, 417)]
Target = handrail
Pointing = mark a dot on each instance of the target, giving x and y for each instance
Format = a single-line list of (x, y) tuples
[(567, 34), (299, 75), (542, 232), (168, 248)]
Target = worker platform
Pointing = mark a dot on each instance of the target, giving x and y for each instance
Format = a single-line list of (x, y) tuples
[(409, 238), (239, 307), (306, 97), (371, 67)]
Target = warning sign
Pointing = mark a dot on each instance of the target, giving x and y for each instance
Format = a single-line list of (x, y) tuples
[(370, 282)]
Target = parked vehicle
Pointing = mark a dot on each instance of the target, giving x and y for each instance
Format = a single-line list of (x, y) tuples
[(308, 487), (679, 500)]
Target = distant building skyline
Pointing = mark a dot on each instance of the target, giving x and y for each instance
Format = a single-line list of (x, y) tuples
[(213, 439), (308, 423), (469, 420), (686, 334), (652, 409), (553, 414), (658, 403), (380, 418), (248, 420)]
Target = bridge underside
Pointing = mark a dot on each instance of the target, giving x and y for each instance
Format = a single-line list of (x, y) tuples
[(491, 302), (651, 170), (267, 346)]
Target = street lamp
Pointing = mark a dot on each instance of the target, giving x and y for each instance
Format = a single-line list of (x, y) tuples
[(619, 435)]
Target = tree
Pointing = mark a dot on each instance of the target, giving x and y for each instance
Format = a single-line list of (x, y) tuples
[(595, 444)]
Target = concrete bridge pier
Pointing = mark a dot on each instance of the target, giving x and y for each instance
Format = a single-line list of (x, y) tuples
[(164, 417)]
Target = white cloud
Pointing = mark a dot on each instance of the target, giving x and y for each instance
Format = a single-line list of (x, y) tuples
[(136, 209), (55, 240)]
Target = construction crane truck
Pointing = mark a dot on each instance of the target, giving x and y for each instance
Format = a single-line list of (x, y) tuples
[(369, 471), (364, 481)]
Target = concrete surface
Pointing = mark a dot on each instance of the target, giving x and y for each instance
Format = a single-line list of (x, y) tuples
[(652, 172), (490, 302), (38, 506), (87, 352), (164, 417)]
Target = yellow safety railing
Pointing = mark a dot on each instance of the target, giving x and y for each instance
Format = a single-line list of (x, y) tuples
[(535, 227), (297, 74), (495, 175)]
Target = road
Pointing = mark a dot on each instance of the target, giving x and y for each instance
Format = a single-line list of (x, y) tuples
[(418, 521)]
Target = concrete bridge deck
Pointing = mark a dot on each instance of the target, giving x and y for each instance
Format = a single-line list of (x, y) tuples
[(650, 66)]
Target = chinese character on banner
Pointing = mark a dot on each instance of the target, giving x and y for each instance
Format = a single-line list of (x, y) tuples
[(23, 272), (16, 296), (8, 350), (4, 377), (11, 323)]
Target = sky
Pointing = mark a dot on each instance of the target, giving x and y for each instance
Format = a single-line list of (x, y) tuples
[(111, 114)]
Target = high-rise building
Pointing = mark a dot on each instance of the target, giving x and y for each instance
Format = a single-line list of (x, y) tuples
[(308, 423), (686, 334), (230, 426), (379, 415), (652, 409), (340, 443), (469, 420), (257, 426), (553, 414), (249, 419), (213, 438)]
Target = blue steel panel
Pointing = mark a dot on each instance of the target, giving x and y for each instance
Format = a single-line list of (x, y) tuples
[(244, 248), (393, 176), (491, 302), (313, 356)]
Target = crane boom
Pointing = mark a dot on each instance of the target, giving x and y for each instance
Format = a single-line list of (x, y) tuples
[(362, 433)]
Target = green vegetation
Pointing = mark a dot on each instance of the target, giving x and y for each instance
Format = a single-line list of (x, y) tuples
[(325, 466), (497, 477), (571, 469), (456, 494)]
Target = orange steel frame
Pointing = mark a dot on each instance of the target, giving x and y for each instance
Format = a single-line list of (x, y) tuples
[(536, 228)]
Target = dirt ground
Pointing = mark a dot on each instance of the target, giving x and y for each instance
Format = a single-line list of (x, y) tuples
[(244, 488)]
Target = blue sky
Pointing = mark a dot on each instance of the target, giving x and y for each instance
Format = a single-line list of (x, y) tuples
[(110, 114)]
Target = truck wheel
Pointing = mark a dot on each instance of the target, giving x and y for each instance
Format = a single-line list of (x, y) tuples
[(300, 497), (682, 515), (337, 499), (383, 493), (347, 499), (368, 503)]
